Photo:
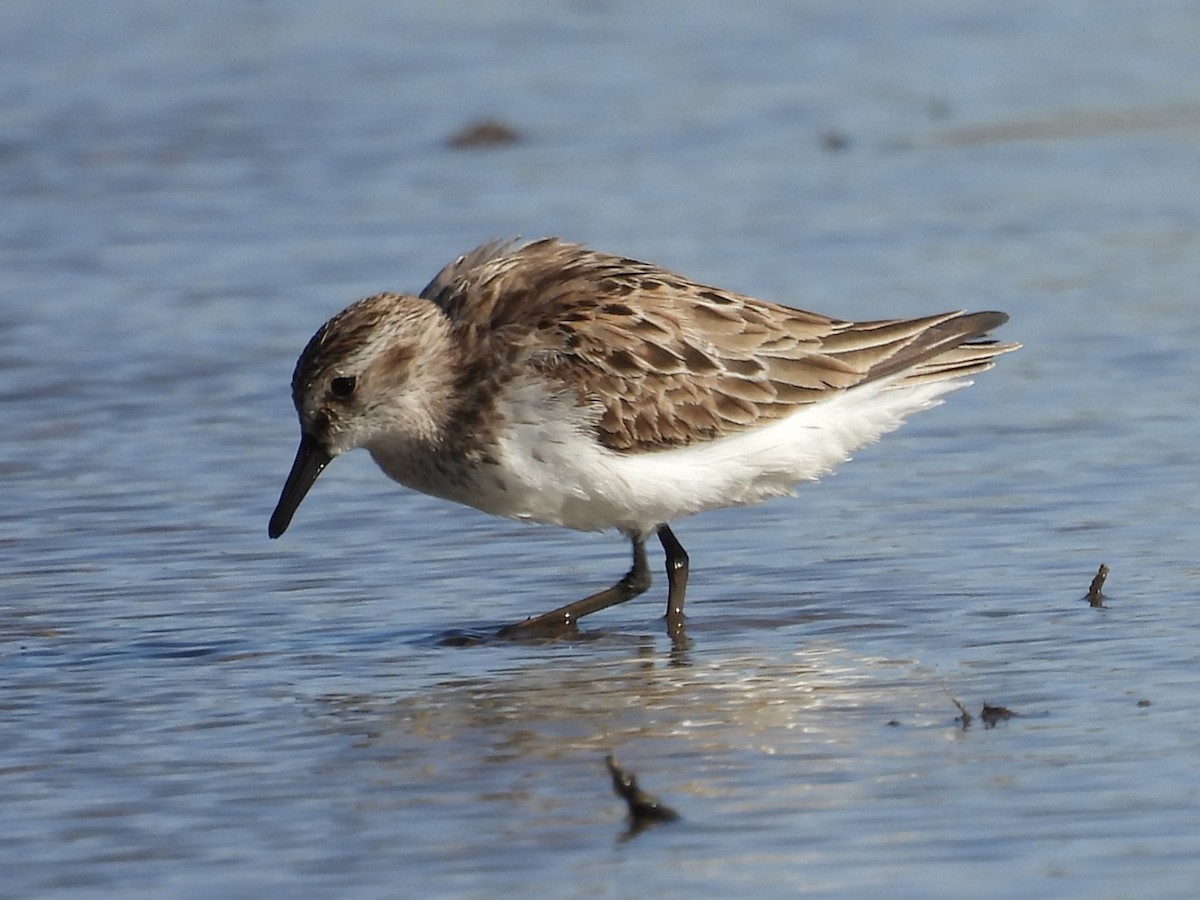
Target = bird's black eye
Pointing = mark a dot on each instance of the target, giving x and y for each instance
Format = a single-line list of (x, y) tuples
[(342, 387)]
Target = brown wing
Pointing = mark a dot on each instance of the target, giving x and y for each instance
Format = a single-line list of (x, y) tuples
[(671, 362)]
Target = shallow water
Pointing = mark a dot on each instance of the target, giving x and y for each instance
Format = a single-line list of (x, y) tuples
[(190, 709)]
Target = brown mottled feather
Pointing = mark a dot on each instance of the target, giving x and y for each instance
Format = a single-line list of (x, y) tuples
[(668, 362)]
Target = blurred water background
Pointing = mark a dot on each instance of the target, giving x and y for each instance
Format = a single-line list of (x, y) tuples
[(190, 710)]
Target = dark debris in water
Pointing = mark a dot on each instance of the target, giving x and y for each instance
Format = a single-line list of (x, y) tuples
[(989, 715), (993, 715), (175, 650), (483, 133), (645, 810), (1095, 596), (833, 140)]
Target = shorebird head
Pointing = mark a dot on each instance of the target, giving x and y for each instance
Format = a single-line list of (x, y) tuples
[(371, 371)]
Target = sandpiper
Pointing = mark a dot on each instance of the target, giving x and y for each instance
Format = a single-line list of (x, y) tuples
[(552, 383)]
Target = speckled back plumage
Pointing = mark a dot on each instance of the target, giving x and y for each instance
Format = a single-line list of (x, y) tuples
[(667, 361)]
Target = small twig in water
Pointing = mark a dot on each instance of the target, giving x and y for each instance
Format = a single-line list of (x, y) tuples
[(644, 809), (1095, 596), (965, 716)]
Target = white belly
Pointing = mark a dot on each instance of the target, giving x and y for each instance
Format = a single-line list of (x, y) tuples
[(550, 470)]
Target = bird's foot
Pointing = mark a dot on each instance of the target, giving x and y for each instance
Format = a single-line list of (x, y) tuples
[(540, 628)]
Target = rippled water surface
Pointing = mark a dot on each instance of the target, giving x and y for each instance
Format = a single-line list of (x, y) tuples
[(189, 709)]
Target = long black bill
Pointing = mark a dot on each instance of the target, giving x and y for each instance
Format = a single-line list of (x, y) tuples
[(311, 458)]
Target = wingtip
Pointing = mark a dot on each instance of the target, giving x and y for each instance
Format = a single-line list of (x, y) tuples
[(985, 321)]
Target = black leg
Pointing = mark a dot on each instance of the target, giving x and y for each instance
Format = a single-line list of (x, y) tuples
[(561, 621), (677, 579)]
